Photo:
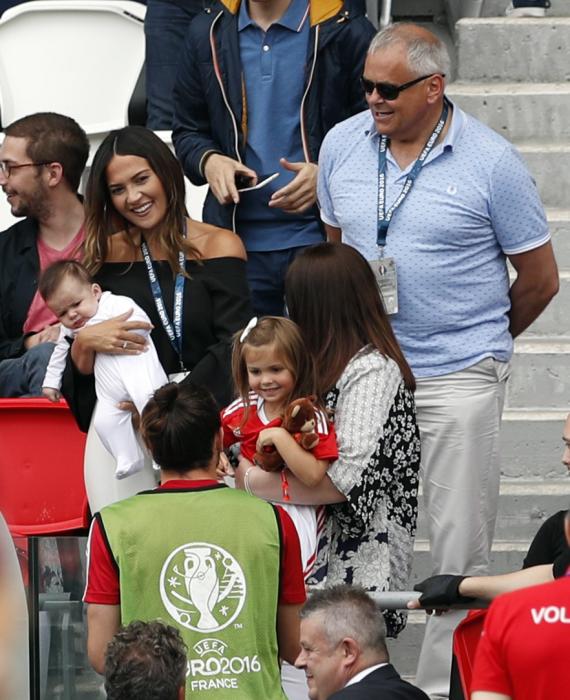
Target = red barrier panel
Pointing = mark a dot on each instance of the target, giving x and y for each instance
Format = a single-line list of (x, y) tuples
[(465, 640), (42, 489)]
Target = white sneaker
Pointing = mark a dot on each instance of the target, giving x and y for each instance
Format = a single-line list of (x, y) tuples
[(525, 11)]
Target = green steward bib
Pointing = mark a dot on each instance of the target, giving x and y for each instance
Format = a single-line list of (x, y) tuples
[(206, 561)]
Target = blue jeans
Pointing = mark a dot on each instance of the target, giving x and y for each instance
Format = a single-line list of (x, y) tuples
[(266, 276), (165, 28), (24, 375)]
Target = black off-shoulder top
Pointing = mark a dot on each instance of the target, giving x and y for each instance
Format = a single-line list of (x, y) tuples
[(216, 304)]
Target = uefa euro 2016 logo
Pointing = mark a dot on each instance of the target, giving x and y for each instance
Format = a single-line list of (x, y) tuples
[(202, 587)]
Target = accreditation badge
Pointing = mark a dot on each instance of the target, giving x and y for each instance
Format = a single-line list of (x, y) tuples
[(387, 279)]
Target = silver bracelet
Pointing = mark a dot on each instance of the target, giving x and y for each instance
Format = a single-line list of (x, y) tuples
[(246, 481)]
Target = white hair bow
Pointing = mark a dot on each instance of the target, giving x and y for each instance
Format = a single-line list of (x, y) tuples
[(247, 330)]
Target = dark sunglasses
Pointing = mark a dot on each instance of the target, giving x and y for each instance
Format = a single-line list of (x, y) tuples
[(387, 91)]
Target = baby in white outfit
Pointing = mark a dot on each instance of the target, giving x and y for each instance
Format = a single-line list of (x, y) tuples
[(77, 301)]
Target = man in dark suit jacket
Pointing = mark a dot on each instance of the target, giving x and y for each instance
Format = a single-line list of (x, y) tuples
[(343, 649)]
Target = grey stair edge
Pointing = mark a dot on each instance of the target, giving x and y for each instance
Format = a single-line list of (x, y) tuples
[(416, 617), (557, 214), (532, 146), (422, 545), (543, 345), (520, 486), (502, 88), (518, 22), (534, 414)]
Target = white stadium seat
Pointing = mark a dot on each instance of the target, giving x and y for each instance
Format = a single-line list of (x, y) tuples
[(81, 58)]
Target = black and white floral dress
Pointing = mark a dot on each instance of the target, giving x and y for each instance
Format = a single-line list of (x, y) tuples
[(368, 539)]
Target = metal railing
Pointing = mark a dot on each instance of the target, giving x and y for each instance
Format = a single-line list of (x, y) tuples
[(379, 18), (398, 600), (386, 15)]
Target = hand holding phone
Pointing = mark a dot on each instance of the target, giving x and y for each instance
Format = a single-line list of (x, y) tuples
[(243, 183), (220, 171)]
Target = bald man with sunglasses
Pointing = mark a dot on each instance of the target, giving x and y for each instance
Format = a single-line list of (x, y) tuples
[(437, 202)]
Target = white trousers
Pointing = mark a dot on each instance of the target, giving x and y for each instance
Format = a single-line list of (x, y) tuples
[(124, 378), (294, 682), (459, 417), (99, 471)]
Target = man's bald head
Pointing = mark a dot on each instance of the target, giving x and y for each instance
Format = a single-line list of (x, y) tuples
[(426, 53)]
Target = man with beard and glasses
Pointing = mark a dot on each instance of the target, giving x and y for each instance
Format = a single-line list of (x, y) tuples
[(41, 161)]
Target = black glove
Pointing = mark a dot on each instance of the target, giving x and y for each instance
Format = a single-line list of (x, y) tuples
[(561, 564), (441, 590)]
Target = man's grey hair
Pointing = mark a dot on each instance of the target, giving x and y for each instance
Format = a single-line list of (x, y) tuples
[(348, 611), (426, 53)]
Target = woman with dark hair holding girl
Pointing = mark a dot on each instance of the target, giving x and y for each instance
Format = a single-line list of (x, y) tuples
[(365, 381), (189, 278)]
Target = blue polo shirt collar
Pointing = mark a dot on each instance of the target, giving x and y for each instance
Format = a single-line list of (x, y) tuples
[(293, 19), (454, 132)]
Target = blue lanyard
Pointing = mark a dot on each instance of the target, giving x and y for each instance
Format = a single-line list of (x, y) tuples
[(173, 330), (385, 217)]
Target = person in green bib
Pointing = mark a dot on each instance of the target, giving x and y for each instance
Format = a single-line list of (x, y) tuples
[(221, 566)]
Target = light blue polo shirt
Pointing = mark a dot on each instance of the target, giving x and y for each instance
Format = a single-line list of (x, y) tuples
[(473, 203), (274, 65)]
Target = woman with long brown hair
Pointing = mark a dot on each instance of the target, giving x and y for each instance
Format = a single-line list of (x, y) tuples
[(367, 384), (137, 228), (187, 276)]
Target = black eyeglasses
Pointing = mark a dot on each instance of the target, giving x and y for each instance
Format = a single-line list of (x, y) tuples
[(388, 91), (7, 168)]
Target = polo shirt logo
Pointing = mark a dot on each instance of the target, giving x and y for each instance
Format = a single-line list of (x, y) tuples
[(551, 615), (202, 586)]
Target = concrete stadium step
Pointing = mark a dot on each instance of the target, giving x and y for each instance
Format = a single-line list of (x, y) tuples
[(530, 107), (506, 556), (541, 374), (523, 507), (556, 312), (549, 164), (404, 650), (496, 8), (417, 8), (531, 445), (559, 224), (554, 319), (500, 48), (518, 111)]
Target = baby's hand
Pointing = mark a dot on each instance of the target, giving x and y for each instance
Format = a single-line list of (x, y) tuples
[(52, 394)]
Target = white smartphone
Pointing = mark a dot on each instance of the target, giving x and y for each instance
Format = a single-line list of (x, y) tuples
[(264, 180)]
